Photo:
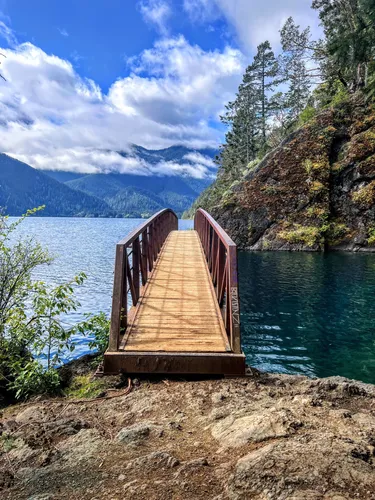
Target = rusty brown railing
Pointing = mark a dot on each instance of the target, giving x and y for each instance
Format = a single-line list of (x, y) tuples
[(221, 256), (135, 258)]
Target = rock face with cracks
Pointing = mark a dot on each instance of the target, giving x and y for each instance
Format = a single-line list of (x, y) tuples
[(267, 437), (315, 192)]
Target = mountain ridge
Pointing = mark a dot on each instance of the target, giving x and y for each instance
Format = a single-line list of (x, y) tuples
[(23, 187), (68, 193)]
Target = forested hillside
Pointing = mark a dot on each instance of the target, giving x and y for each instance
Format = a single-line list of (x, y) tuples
[(101, 195), (22, 187), (141, 195), (297, 169)]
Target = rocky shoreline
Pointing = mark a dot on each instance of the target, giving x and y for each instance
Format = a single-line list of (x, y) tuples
[(260, 437), (314, 192)]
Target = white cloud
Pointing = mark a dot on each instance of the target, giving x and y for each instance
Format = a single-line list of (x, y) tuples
[(189, 85), (252, 20), (202, 10), (199, 159), (52, 118), (63, 31), (8, 34), (156, 12)]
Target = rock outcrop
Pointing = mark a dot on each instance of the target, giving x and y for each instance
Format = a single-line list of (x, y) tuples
[(315, 192), (264, 437)]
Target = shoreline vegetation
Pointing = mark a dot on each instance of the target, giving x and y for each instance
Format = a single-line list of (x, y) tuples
[(33, 334)]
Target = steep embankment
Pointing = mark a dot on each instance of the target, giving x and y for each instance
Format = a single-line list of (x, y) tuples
[(315, 191), (260, 437)]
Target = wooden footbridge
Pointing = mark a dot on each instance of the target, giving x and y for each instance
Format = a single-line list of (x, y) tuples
[(182, 290)]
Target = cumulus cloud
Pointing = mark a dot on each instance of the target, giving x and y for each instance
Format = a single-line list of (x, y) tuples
[(188, 84), (52, 118), (156, 12), (254, 21)]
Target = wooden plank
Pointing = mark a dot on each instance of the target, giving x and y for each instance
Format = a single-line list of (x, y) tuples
[(178, 311)]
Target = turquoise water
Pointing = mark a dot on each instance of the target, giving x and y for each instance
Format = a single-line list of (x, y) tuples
[(86, 245), (311, 314), (300, 313)]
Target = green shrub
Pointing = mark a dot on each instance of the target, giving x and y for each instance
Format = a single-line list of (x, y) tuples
[(32, 378), (365, 196), (337, 232), (317, 187), (371, 236), (307, 115), (318, 212), (32, 335), (308, 166), (98, 328), (307, 235)]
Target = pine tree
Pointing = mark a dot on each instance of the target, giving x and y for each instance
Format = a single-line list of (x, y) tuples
[(349, 30), (241, 139), (298, 53), (263, 75)]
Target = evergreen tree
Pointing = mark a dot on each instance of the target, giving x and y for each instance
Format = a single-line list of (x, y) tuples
[(241, 118), (263, 75), (298, 53), (349, 28)]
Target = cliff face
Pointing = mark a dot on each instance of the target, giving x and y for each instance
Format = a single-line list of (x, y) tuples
[(315, 192)]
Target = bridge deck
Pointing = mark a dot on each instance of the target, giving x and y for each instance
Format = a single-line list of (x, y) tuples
[(175, 307), (178, 311)]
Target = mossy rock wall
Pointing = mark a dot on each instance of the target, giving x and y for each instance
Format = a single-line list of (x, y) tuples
[(315, 192)]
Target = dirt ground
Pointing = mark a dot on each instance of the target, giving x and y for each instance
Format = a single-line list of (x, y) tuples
[(259, 437)]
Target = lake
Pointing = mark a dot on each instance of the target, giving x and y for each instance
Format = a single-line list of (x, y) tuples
[(302, 313), (309, 313)]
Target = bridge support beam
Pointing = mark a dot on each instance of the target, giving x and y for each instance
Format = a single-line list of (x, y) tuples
[(175, 363)]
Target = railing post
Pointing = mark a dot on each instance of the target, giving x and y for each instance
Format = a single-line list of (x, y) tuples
[(144, 257), (136, 264), (119, 299), (234, 302), (150, 254)]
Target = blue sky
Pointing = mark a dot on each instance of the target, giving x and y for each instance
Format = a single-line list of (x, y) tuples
[(88, 76)]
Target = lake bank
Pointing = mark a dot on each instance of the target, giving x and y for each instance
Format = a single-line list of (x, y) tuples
[(263, 436)]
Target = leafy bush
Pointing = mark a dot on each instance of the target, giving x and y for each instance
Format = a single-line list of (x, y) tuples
[(365, 196), (33, 378), (307, 235), (33, 336), (317, 187), (98, 327), (337, 232), (307, 115), (371, 236)]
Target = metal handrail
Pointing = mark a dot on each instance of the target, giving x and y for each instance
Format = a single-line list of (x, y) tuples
[(221, 255), (132, 268)]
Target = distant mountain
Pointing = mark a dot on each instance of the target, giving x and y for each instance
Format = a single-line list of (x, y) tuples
[(23, 187), (141, 195), (173, 153)]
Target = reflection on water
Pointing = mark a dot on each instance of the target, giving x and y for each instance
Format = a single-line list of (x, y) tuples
[(310, 314)]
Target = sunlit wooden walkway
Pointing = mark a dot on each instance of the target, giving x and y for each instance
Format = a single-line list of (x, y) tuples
[(184, 316), (179, 310)]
